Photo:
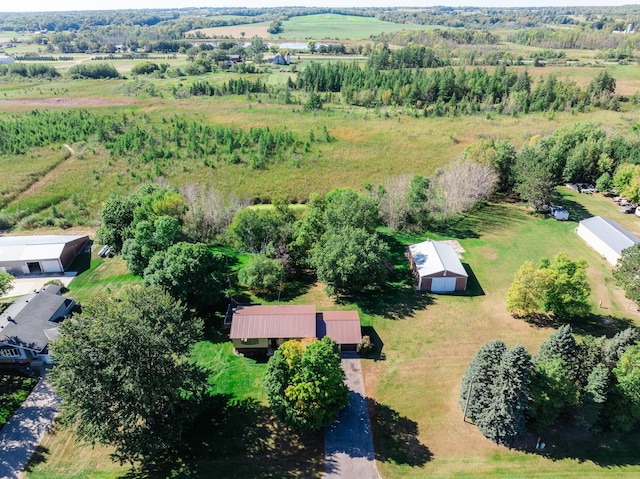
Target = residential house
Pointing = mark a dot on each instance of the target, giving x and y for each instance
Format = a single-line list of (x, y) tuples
[(29, 323), (259, 329)]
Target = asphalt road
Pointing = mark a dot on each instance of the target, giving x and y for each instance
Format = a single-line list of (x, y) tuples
[(348, 441), (20, 437)]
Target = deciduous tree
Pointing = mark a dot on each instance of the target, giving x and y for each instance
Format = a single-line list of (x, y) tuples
[(305, 383), (117, 216), (262, 274), (189, 272), (124, 375), (460, 186), (350, 260), (558, 286), (6, 282), (627, 273)]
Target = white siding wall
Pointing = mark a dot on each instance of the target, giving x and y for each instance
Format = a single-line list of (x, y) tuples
[(597, 244), (51, 266)]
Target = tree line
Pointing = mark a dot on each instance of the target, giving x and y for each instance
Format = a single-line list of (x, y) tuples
[(449, 90)]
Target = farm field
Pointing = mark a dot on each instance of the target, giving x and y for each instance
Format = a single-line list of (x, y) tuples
[(314, 27)]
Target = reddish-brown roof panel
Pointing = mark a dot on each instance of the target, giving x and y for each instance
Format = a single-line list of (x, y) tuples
[(257, 321), (253, 309), (341, 326)]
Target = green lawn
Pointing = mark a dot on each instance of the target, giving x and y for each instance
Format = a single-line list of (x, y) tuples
[(106, 276), (418, 428), (428, 341), (338, 27), (14, 389)]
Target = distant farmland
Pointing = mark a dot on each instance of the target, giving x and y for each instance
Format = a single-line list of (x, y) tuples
[(317, 27)]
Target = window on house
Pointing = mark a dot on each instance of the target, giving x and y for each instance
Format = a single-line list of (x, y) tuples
[(249, 342)]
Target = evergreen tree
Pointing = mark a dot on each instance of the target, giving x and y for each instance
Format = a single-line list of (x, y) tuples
[(617, 345), (593, 397), (560, 345), (504, 419), (482, 372)]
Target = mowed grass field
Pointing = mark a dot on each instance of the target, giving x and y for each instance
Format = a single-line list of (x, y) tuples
[(418, 427)]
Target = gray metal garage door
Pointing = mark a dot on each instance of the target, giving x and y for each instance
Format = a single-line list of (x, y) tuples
[(443, 285)]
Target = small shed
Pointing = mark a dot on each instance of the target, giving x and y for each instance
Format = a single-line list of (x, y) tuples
[(559, 213), (606, 237), (5, 60), (437, 267)]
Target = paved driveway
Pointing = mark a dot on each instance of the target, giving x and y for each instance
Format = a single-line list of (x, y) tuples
[(20, 437), (28, 284), (348, 442)]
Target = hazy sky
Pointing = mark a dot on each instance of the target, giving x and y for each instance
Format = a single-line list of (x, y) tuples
[(63, 5)]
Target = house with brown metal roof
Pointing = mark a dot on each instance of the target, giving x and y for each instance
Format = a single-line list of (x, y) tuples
[(259, 329)]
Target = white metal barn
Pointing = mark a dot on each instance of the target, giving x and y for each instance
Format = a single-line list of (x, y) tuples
[(437, 267), (23, 255), (606, 237)]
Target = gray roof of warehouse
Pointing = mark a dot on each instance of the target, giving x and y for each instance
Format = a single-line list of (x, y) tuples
[(610, 232)]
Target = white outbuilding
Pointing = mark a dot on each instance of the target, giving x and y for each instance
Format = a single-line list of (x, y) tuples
[(606, 237), (24, 255), (5, 60), (437, 267)]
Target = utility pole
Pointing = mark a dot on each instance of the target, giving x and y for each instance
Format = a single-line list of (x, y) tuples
[(466, 405)]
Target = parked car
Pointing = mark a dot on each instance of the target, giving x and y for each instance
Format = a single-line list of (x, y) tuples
[(628, 209), (638, 211)]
